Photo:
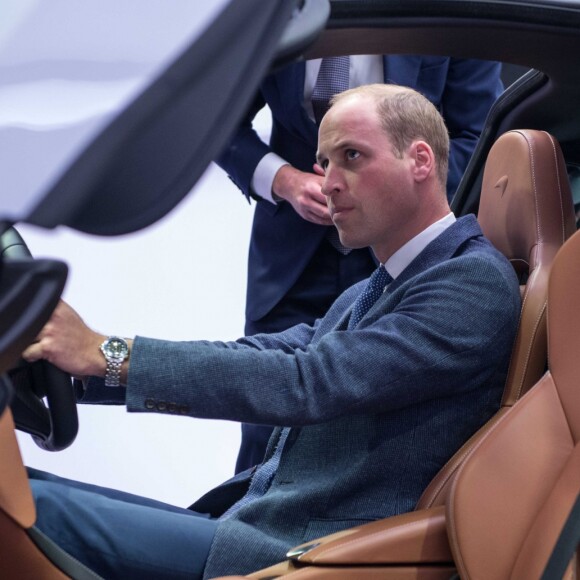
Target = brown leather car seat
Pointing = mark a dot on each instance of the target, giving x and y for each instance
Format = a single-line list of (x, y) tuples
[(512, 495), (19, 556), (526, 211)]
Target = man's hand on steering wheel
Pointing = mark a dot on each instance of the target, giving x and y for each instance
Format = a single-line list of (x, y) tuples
[(68, 343)]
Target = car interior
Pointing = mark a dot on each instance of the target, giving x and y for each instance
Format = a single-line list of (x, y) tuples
[(499, 507)]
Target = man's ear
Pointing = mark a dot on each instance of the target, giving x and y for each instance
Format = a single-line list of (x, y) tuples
[(423, 160)]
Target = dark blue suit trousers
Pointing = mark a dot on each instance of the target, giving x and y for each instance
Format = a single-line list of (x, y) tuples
[(121, 538)]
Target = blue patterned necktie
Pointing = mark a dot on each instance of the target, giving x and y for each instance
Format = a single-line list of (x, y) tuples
[(372, 292), (265, 473), (262, 477), (333, 78)]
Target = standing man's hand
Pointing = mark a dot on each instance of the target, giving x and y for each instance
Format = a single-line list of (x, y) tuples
[(67, 342), (303, 191)]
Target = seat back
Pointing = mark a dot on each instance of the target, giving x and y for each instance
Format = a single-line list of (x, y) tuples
[(20, 557), (526, 211), (513, 493)]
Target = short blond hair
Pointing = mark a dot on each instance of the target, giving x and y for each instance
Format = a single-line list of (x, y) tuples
[(407, 116)]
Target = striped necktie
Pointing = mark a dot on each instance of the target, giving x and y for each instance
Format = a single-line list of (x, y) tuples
[(333, 78)]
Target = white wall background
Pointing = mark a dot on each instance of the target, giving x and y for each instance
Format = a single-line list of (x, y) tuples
[(183, 278)]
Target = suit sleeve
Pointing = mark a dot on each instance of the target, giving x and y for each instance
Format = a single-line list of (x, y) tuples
[(426, 348), (471, 88), (244, 151)]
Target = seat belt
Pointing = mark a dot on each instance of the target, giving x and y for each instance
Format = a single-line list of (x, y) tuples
[(565, 547), (63, 561)]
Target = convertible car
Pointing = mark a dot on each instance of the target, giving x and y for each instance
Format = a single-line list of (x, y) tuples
[(506, 505)]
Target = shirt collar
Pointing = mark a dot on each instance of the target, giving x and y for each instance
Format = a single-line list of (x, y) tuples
[(408, 252)]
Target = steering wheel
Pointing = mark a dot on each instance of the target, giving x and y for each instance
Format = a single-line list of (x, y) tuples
[(44, 404)]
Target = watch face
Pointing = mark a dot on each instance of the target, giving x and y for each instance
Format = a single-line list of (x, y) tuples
[(116, 348)]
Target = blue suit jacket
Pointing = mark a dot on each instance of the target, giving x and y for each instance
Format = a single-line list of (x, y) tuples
[(282, 242), (376, 411)]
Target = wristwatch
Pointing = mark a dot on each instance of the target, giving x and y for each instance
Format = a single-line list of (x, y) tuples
[(116, 350)]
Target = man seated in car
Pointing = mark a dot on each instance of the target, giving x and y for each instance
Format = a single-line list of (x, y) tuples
[(373, 399)]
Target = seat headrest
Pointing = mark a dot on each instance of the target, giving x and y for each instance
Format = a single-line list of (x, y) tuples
[(518, 210)]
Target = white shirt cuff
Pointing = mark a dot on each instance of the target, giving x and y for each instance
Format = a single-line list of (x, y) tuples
[(264, 174)]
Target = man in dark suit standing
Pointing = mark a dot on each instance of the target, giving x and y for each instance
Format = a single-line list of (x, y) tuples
[(374, 397), (296, 267)]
